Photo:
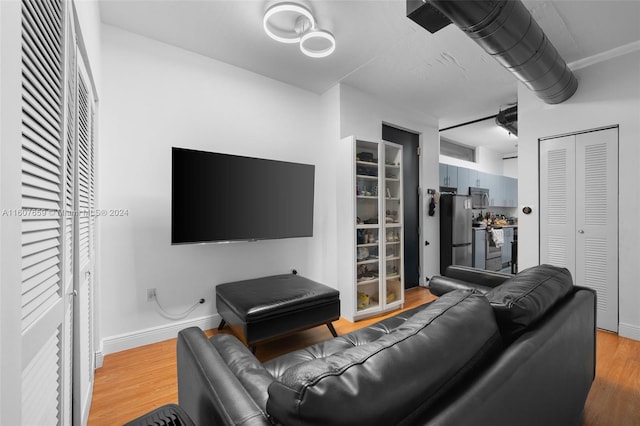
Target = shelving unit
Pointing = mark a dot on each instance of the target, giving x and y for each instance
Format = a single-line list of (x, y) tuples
[(371, 269)]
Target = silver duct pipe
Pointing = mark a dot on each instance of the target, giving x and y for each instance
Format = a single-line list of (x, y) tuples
[(506, 30)]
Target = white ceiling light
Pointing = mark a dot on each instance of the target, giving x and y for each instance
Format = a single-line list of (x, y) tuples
[(293, 23), (281, 29), (313, 37)]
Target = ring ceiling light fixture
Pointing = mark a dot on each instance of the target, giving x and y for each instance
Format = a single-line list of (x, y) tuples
[(310, 38), (293, 23)]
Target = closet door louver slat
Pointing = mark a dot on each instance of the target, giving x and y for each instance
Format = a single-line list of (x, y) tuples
[(84, 168)]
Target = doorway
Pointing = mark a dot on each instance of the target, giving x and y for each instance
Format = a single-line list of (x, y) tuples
[(411, 177)]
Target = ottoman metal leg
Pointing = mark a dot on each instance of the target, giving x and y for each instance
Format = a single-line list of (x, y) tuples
[(332, 330), (222, 324)]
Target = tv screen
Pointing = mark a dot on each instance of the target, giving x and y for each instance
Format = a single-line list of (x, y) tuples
[(220, 197)]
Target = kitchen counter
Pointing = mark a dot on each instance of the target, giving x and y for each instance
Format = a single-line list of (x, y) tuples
[(497, 227)]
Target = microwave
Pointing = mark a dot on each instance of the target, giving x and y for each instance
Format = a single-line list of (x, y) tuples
[(479, 197)]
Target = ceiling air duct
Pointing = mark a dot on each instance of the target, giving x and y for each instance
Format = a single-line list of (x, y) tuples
[(508, 119), (506, 30)]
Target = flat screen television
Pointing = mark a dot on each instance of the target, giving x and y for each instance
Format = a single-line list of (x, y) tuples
[(219, 197)]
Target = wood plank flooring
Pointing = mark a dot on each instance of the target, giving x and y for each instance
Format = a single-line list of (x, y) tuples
[(133, 382)]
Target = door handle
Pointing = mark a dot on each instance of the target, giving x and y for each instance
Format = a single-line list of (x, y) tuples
[(74, 293), (580, 231)]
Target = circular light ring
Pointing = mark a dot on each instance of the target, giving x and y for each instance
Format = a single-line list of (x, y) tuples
[(317, 34), (293, 36)]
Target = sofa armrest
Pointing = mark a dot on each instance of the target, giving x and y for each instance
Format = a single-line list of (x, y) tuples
[(476, 276), (552, 364), (441, 285), (208, 390)]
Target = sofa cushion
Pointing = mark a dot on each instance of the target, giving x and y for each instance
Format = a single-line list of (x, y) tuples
[(408, 368), (359, 337), (525, 298)]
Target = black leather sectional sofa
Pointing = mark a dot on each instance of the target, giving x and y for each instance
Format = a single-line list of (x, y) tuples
[(492, 350)]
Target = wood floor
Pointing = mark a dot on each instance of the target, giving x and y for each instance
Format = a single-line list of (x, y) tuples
[(133, 382)]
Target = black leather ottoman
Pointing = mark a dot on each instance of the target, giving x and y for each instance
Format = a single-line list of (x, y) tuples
[(263, 308)]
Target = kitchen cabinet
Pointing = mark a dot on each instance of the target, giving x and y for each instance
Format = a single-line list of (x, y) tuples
[(474, 178), (503, 190), (495, 185), (463, 180), (370, 228), (448, 175), (497, 191), (483, 180), (511, 190)]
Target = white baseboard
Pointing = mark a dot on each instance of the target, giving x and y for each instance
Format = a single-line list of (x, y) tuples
[(152, 335), (629, 331)]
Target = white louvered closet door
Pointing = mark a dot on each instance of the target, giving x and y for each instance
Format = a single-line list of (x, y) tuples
[(45, 301), (557, 202), (84, 361), (597, 220), (579, 213)]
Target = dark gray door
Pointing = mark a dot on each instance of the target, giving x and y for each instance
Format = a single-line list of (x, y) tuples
[(410, 178)]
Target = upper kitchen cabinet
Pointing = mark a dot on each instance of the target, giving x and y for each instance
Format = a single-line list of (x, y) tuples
[(496, 190), (484, 180), (448, 175), (510, 189), (503, 190), (473, 178), (463, 180)]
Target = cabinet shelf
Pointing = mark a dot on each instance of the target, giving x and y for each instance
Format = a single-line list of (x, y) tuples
[(366, 164), (367, 261), (368, 281), (367, 177), (367, 226), (367, 197), (373, 307), (368, 245), (393, 225), (388, 258)]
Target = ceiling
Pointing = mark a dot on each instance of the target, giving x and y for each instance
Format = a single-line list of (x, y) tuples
[(381, 51)]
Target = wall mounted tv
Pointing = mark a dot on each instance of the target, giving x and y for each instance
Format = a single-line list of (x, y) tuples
[(219, 197)]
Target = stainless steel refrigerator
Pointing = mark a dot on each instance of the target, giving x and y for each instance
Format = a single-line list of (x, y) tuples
[(455, 231)]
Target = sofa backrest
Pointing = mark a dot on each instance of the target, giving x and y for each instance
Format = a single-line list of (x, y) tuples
[(395, 377), (525, 298)]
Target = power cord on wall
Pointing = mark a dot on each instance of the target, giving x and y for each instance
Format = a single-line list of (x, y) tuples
[(183, 315)]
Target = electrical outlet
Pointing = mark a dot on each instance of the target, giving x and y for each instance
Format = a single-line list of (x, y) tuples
[(151, 294)]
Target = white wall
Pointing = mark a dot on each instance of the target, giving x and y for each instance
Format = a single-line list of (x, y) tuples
[(87, 13), (362, 116), (154, 97), (510, 166), (608, 94), (487, 160)]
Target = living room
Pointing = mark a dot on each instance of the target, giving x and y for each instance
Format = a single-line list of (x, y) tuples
[(153, 96)]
